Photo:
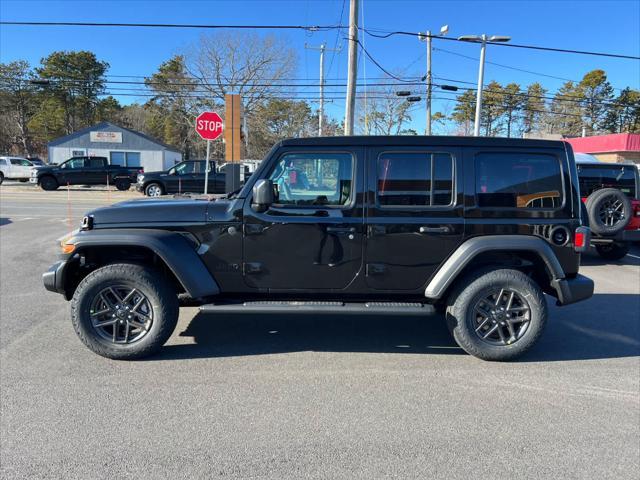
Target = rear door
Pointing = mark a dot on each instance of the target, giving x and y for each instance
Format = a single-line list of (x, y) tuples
[(415, 214), (96, 171)]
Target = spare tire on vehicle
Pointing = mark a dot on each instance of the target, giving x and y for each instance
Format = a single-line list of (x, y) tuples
[(609, 211)]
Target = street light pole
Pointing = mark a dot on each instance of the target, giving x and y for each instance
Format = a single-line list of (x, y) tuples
[(476, 122), (482, 39)]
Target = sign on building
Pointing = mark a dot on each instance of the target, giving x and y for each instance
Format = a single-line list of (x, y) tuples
[(106, 137)]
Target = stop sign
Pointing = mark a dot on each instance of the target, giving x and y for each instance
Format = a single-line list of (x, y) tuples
[(209, 125)]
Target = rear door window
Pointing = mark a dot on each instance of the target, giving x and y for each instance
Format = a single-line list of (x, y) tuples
[(518, 180), (415, 179)]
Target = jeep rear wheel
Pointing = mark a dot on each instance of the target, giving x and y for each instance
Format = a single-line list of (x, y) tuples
[(613, 251), (1, 178), (124, 311), (496, 314), (48, 183)]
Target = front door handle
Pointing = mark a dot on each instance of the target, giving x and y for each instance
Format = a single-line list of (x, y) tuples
[(444, 229)]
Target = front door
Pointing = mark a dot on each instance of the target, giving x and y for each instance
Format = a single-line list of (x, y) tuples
[(311, 237), (415, 215), (73, 171)]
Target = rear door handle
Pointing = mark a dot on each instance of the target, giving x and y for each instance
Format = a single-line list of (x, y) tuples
[(444, 229), (341, 230)]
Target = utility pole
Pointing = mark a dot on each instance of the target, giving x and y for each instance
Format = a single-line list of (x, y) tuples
[(428, 128), (482, 39), (427, 37), (352, 68), (322, 48)]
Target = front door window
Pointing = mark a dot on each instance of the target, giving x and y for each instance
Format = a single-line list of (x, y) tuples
[(313, 179)]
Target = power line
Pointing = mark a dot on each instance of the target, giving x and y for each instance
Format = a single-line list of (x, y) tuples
[(309, 28), (511, 45), (381, 67), (512, 68), (335, 44)]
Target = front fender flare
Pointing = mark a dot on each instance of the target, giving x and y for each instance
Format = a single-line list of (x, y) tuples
[(475, 246), (174, 250)]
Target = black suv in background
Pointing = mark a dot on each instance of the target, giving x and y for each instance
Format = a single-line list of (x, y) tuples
[(477, 228), (185, 177), (84, 171), (610, 192)]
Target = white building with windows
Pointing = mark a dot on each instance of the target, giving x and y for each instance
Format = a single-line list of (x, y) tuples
[(120, 145)]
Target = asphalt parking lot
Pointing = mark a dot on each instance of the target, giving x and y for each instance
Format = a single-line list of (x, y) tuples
[(273, 396)]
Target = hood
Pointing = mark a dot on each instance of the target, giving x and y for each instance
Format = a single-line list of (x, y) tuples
[(152, 212)]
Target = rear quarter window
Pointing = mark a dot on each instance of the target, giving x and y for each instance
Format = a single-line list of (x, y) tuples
[(518, 180)]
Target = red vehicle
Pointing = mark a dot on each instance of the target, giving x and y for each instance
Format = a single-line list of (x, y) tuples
[(610, 194)]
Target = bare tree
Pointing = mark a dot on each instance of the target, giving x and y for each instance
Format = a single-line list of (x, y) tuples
[(382, 112), (243, 63)]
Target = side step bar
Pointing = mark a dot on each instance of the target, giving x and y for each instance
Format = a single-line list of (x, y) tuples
[(385, 308)]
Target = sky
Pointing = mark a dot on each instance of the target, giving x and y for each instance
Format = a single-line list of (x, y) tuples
[(602, 26)]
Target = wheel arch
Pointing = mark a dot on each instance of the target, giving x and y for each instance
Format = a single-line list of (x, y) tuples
[(170, 252), (521, 252)]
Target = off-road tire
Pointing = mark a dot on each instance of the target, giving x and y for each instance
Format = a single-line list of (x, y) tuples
[(1, 178), (613, 251), (148, 188), (48, 183), (594, 205), (122, 185), (459, 314), (150, 283)]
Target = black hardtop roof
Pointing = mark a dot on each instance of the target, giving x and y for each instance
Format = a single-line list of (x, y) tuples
[(421, 140)]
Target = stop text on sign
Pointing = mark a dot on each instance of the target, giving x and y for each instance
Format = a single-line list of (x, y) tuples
[(209, 125)]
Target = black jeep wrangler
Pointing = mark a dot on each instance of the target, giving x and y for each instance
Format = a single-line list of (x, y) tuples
[(477, 228)]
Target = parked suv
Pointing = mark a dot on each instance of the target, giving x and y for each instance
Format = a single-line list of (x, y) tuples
[(610, 193), (478, 228), (15, 168), (185, 177)]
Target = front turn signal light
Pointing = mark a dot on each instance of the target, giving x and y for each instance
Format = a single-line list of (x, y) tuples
[(67, 247)]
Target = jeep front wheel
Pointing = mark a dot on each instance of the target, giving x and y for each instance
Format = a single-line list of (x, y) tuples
[(496, 314), (124, 311)]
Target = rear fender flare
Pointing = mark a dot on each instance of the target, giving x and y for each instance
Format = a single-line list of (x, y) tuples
[(465, 253)]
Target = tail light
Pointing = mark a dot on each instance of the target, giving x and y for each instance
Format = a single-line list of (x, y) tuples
[(581, 239)]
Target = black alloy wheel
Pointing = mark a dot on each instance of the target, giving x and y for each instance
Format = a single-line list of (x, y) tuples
[(501, 316), (121, 314)]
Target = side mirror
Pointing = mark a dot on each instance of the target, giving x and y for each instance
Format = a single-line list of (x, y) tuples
[(263, 194)]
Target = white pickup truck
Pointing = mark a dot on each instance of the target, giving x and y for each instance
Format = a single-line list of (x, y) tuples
[(15, 168)]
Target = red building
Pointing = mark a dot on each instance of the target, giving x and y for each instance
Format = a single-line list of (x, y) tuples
[(616, 148)]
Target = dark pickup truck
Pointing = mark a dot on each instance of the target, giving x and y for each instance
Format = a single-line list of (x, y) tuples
[(84, 171)]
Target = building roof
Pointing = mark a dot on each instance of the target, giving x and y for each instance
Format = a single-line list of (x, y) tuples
[(420, 140), (618, 142), (108, 125)]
